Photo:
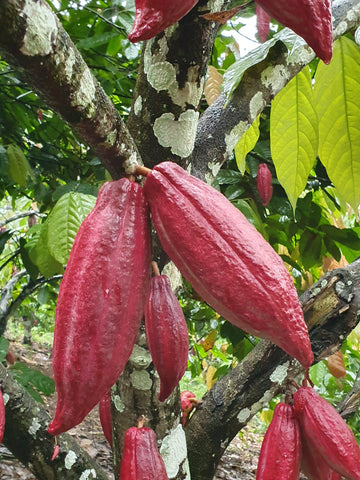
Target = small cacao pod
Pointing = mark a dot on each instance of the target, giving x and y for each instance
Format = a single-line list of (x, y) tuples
[(166, 333), (101, 301), (314, 466), (10, 357), (264, 183), (154, 16), (327, 433), (141, 459), (262, 23), (281, 448), (225, 259), (309, 19), (2, 416), (105, 416)]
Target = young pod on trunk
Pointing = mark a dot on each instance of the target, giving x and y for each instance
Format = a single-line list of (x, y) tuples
[(281, 448), (264, 184), (327, 433), (101, 301), (226, 260), (141, 459), (166, 334)]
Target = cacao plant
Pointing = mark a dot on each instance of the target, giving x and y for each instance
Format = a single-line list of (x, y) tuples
[(154, 16), (310, 19), (166, 333), (141, 459), (105, 416), (225, 259), (281, 448), (101, 301), (264, 183), (326, 433), (2, 416)]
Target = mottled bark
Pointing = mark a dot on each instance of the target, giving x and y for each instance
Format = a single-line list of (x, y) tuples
[(27, 438), (32, 38), (331, 309), (226, 120)]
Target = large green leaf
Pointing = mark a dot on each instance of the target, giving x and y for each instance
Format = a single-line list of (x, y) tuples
[(337, 96), (294, 134), (246, 143), (39, 253), (64, 222), (19, 167)]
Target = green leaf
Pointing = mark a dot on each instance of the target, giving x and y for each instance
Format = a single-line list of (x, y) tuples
[(4, 237), (114, 45), (345, 236), (310, 249), (64, 222), (294, 134), (40, 255), (4, 348), (33, 381), (228, 177), (246, 143), (337, 93), (19, 167), (96, 40), (31, 268)]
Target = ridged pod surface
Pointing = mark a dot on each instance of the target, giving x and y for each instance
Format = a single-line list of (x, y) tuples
[(2, 416), (314, 466), (166, 333), (281, 448), (141, 459), (105, 416), (311, 19), (327, 433), (264, 184), (154, 16), (225, 259), (101, 301)]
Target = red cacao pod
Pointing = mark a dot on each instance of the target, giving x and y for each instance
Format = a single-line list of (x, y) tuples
[(105, 416), (141, 459), (314, 466), (10, 357), (225, 259), (311, 19), (281, 448), (262, 23), (327, 433), (166, 333), (264, 183), (2, 416), (154, 16), (101, 301)]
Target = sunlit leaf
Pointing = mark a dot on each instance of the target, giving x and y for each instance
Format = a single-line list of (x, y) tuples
[(246, 143), (294, 134), (337, 94)]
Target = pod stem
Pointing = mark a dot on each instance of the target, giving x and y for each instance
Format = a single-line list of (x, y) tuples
[(141, 421), (141, 170), (155, 269)]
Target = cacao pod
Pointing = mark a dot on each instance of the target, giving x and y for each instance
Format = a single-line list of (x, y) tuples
[(262, 23), (225, 259), (314, 466), (101, 301), (327, 433), (2, 416), (154, 16), (311, 19), (281, 448), (264, 183), (141, 459), (105, 416), (166, 333)]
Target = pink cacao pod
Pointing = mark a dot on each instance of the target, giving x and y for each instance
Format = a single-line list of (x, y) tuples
[(154, 16), (105, 416), (314, 466), (264, 183), (166, 333), (311, 19), (225, 259), (141, 459), (281, 448), (327, 433), (262, 23), (101, 301)]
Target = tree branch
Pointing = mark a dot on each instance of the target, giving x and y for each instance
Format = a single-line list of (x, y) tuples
[(226, 120), (26, 436), (331, 309), (32, 38), (19, 215)]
